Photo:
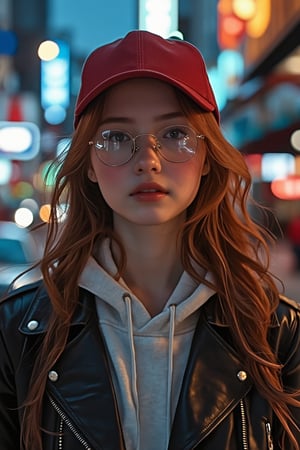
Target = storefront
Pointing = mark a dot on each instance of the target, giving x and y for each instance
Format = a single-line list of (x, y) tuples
[(263, 120)]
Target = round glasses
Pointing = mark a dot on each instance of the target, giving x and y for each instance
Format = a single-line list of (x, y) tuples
[(176, 143)]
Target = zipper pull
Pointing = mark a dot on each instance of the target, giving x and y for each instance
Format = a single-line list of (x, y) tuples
[(269, 436)]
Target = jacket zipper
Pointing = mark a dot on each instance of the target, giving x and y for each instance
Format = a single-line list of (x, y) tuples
[(60, 437), (245, 433), (244, 425), (66, 420), (244, 428), (269, 436)]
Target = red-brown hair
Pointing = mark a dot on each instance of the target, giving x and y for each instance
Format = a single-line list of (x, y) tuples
[(219, 234)]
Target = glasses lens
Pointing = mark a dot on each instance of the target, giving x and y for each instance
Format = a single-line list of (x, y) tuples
[(177, 143), (114, 147)]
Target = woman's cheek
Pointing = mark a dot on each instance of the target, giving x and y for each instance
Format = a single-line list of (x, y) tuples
[(110, 183)]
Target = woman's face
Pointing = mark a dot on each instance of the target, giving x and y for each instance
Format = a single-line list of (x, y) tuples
[(147, 190)]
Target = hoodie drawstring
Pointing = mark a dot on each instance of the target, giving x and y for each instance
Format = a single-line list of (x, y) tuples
[(170, 371), (133, 377)]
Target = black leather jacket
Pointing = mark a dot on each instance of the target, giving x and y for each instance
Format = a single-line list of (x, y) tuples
[(218, 409)]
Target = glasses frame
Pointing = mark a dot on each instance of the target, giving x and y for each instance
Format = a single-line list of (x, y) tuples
[(157, 146)]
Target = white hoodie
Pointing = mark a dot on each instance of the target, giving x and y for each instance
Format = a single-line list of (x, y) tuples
[(148, 355)]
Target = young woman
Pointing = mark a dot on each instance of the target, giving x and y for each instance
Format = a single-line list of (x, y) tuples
[(156, 325)]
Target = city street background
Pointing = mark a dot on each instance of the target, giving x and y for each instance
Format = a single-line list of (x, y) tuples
[(252, 53)]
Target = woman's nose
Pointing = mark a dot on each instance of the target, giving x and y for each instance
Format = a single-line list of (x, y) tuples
[(146, 157)]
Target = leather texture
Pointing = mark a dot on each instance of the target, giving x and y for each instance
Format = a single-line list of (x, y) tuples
[(219, 407)]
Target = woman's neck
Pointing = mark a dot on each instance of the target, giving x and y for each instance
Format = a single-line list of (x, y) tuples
[(153, 267)]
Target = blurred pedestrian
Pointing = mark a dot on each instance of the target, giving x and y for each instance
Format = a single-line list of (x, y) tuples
[(156, 326)]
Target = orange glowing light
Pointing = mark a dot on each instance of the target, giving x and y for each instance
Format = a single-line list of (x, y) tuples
[(244, 9), (257, 26), (231, 31), (45, 213), (286, 188), (225, 7)]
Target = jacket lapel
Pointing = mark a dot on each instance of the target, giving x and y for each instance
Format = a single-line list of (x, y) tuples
[(84, 391), (213, 372), (82, 386)]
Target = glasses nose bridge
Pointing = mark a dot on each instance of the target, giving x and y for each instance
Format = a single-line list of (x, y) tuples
[(153, 140)]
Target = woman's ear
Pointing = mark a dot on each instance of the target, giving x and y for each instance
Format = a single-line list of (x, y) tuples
[(206, 167), (91, 175)]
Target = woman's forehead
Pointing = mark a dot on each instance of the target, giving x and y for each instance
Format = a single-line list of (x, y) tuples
[(141, 95)]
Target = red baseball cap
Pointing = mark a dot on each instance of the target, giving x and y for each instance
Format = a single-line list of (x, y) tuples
[(144, 54)]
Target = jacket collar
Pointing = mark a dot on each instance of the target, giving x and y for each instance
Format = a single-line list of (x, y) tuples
[(40, 309), (214, 315), (36, 317)]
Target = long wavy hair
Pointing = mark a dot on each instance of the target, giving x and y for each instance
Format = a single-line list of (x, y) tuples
[(218, 234)]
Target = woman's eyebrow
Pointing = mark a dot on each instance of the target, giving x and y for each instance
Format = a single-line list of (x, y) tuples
[(170, 115), (121, 119), (116, 119)]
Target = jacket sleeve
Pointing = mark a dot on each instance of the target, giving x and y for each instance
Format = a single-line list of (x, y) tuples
[(12, 345), (289, 353), (9, 415)]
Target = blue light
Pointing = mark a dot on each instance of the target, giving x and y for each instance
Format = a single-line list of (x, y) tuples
[(19, 140), (8, 42), (55, 79), (231, 69), (55, 114), (277, 165), (217, 82)]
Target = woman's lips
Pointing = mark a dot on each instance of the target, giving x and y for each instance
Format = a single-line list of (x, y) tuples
[(149, 192)]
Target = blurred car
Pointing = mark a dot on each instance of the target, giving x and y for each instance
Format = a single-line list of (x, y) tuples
[(18, 251)]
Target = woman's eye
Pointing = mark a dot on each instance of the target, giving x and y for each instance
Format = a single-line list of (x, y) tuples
[(175, 133), (115, 136), (118, 136)]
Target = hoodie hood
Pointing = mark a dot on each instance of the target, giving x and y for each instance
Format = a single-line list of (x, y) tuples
[(98, 278), (147, 355)]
